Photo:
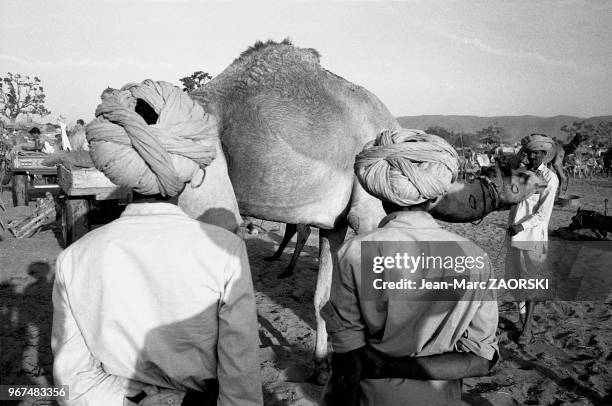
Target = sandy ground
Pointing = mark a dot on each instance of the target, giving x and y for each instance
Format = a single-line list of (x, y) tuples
[(569, 363)]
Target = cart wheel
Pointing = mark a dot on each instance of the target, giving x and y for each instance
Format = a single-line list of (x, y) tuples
[(5, 174), (20, 190), (75, 220)]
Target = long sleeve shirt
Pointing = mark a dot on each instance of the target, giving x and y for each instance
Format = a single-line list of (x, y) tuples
[(534, 212), (407, 323), (155, 298)]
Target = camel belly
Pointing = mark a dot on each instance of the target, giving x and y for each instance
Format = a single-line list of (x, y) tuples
[(309, 194)]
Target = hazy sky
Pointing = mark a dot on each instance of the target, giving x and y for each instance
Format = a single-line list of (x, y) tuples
[(419, 57)]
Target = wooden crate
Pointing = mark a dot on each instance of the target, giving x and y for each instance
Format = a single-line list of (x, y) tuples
[(82, 186), (89, 182)]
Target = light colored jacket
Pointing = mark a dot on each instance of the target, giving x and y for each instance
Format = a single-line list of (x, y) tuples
[(155, 298), (534, 212)]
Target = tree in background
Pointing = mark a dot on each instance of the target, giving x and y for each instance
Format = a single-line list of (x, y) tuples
[(578, 127), (603, 134), (469, 140), (457, 140), (493, 135), (21, 95), (448, 135), (195, 81)]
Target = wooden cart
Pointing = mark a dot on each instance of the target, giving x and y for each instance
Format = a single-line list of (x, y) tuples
[(26, 168), (81, 188)]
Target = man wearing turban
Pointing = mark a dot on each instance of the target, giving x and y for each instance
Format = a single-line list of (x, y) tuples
[(407, 346), (528, 226), (155, 307)]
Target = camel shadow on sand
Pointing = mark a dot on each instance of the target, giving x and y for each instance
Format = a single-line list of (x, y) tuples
[(286, 318)]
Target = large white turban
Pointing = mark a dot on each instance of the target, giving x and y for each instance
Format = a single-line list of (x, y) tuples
[(407, 167), (157, 158)]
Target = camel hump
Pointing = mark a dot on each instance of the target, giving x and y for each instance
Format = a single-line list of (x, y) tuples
[(263, 50), (276, 92), (290, 131)]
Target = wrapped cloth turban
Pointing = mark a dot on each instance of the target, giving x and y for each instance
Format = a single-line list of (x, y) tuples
[(158, 158), (407, 167), (540, 142)]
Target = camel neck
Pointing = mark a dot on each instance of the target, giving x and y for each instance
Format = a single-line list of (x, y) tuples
[(573, 145)]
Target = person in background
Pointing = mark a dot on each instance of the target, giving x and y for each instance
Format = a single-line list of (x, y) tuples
[(77, 136), (591, 165), (399, 347), (528, 227), (34, 135)]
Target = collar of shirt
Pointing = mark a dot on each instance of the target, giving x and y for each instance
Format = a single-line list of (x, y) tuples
[(147, 209), (409, 219)]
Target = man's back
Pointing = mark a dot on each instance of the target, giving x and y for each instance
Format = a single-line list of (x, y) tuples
[(153, 293), (407, 322)]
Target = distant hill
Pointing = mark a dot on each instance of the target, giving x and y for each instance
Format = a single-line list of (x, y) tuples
[(516, 126)]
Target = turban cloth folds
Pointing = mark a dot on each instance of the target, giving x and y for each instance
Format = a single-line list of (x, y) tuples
[(407, 167), (151, 159)]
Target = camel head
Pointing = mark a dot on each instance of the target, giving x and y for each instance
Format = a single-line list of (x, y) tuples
[(498, 188), (513, 185)]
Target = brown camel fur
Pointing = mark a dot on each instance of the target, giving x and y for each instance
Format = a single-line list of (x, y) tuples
[(290, 131)]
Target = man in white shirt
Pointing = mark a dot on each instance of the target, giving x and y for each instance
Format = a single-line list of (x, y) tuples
[(528, 226), (155, 308)]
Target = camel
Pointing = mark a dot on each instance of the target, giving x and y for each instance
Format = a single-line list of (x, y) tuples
[(563, 150), (600, 224), (290, 131)]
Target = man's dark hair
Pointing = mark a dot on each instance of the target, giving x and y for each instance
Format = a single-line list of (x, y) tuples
[(79, 121), (34, 131)]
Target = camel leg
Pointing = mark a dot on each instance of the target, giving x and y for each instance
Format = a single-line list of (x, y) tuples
[(303, 232), (329, 242), (526, 334), (290, 230), (563, 180)]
